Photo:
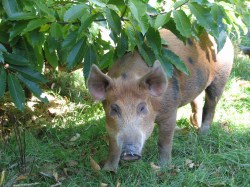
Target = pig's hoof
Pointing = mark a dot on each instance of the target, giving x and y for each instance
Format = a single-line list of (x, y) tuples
[(204, 129), (110, 168)]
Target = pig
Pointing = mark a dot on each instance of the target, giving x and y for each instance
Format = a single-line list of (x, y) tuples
[(136, 96)]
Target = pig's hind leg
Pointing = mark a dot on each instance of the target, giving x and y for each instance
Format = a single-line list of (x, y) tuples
[(213, 95)]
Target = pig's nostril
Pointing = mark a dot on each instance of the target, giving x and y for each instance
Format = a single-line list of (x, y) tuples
[(129, 156)]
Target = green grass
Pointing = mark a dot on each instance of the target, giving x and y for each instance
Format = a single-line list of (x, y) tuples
[(221, 158)]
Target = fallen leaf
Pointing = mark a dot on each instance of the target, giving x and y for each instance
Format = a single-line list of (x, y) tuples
[(2, 177), (55, 175), (46, 174), (191, 165), (103, 185), (94, 165), (118, 184), (76, 137), (155, 167), (65, 171), (188, 161), (21, 177)]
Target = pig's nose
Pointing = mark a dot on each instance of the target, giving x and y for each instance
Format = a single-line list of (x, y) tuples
[(130, 152)]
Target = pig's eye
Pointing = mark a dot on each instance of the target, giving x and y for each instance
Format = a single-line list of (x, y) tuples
[(142, 108), (115, 109)]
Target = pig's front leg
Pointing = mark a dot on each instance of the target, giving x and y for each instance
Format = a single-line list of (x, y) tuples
[(166, 133), (114, 154)]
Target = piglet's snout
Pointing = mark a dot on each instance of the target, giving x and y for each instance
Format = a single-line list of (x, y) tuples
[(130, 152)]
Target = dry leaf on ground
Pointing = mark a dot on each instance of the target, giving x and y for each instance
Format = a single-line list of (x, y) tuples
[(74, 138), (94, 165), (155, 167)]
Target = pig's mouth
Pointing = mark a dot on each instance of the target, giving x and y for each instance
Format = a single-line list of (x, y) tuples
[(129, 156)]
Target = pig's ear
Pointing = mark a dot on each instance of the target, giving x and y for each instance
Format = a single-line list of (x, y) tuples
[(98, 83), (155, 81)]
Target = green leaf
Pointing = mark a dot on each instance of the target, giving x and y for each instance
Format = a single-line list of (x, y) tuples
[(35, 38), (161, 20), (56, 30), (16, 91), (2, 48), (86, 21), (4, 31), (147, 54), (76, 54), (70, 40), (143, 24), (203, 16), (44, 28), (50, 56), (117, 3), (75, 12), (131, 33), (122, 44), (29, 73), (221, 40), (175, 60), (22, 16), (170, 25), (89, 59), (38, 52), (34, 24), (49, 12), (16, 59), (107, 60), (99, 3), (11, 7), (1, 57), (114, 21), (179, 3), (17, 29), (167, 66), (52, 43), (182, 23), (3, 77), (219, 33), (137, 8), (154, 40), (34, 88)]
